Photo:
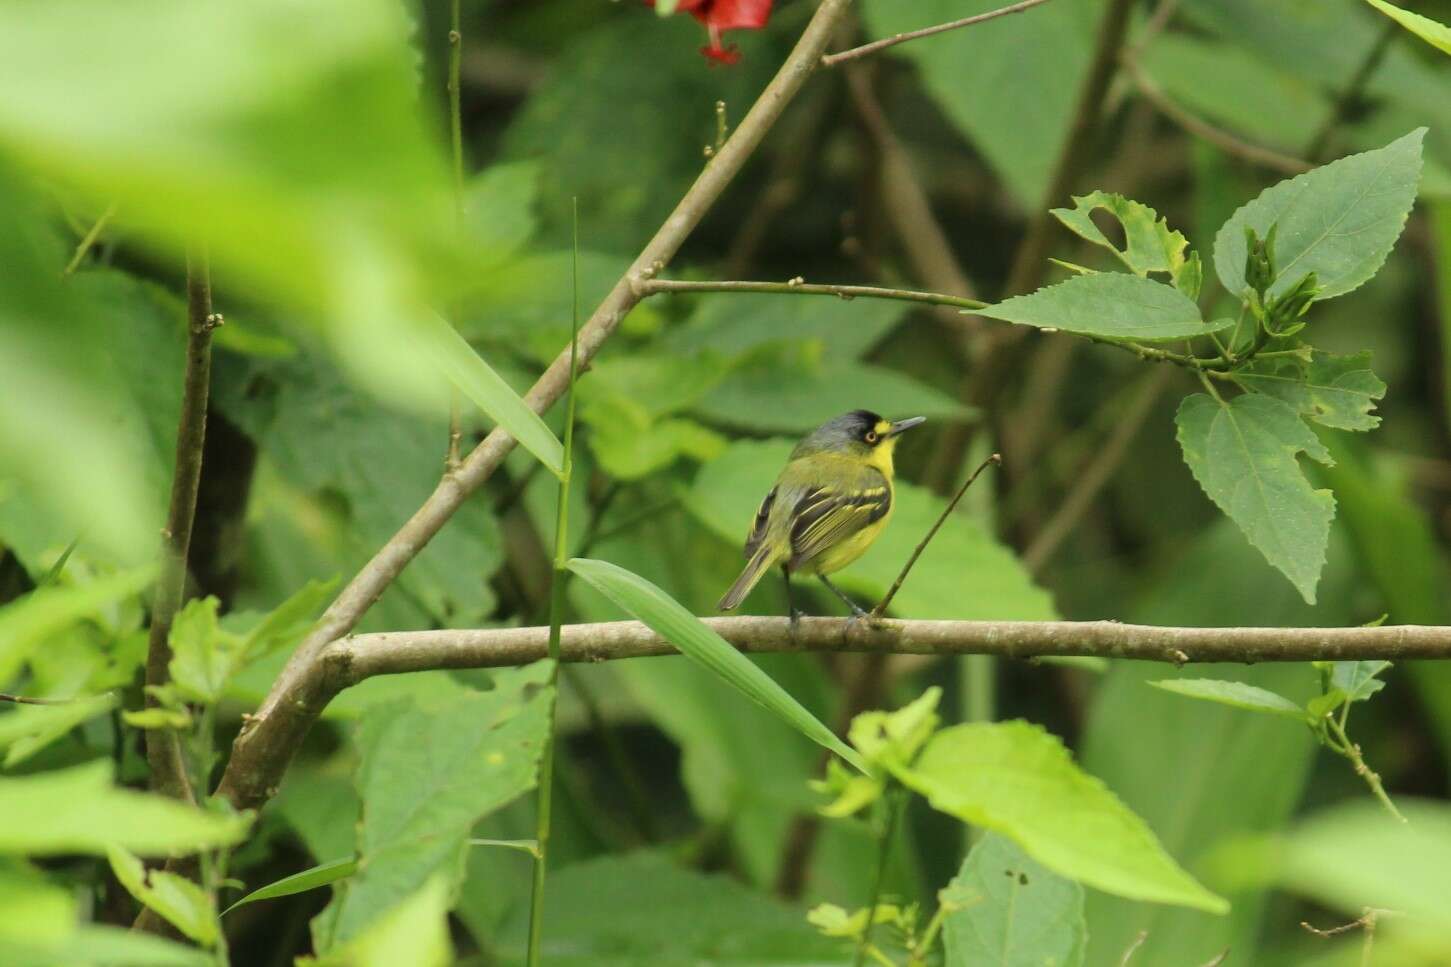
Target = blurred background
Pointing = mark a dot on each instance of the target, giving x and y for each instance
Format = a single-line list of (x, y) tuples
[(314, 159)]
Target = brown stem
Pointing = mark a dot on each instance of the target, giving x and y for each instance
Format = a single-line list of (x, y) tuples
[(881, 607), (648, 287), (266, 743), (163, 748), (831, 60)]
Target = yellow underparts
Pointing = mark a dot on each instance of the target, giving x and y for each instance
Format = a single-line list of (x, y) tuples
[(839, 555)]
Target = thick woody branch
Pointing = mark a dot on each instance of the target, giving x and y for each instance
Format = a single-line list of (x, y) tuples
[(351, 660), (266, 744)]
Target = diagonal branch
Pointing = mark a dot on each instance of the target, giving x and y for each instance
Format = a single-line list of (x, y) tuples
[(831, 60), (354, 659), (267, 741)]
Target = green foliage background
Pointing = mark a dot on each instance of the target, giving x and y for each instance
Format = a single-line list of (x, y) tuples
[(307, 150)]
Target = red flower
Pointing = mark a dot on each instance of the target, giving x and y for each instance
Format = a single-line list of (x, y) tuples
[(722, 15)]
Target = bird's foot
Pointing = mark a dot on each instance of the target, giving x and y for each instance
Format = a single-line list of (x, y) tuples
[(795, 621)]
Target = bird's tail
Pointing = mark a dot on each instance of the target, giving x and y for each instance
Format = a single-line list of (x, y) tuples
[(758, 565)]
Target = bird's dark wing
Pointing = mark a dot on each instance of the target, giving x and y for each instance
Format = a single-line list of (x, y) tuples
[(826, 515), (758, 529)]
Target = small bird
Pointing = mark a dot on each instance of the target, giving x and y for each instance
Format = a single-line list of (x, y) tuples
[(827, 507)]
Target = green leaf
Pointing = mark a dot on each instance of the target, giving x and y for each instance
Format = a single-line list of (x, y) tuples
[(1334, 391), (462, 758), (29, 621), (309, 879), (1033, 62), (1358, 679), (1436, 34), (178, 900), (1238, 694), (499, 208), (1016, 779), (1149, 244), (105, 946), (414, 932), (287, 624), (1011, 911), (203, 656), (158, 718), (640, 910), (667, 618), (78, 810), (31, 728), (735, 324), (478, 381), (1109, 305), (1243, 453), (1339, 221)]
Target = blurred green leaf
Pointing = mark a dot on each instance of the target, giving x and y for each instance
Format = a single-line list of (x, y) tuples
[(1243, 453), (499, 208), (203, 656), (1012, 911), (462, 758), (30, 728), (1339, 221), (78, 810), (1358, 679), (295, 148), (414, 931), (1033, 62), (1149, 244), (738, 323), (1334, 391), (1111, 305), (1018, 780), (642, 911), (671, 621), (286, 625), (1237, 694), (790, 394), (28, 622), (1436, 34), (477, 380), (308, 879), (629, 452), (158, 718), (176, 899), (963, 573)]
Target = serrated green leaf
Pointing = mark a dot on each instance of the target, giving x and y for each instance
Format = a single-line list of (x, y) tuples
[(1012, 911), (1334, 391), (27, 622), (176, 899), (1433, 32), (1243, 453), (477, 380), (1149, 244), (1110, 305), (285, 625), (1016, 779), (1249, 697), (1359, 680), (203, 655), (309, 879), (1339, 221), (78, 810), (31, 728), (428, 774), (685, 631)]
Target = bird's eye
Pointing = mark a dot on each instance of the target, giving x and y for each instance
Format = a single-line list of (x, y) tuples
[(871, 436)]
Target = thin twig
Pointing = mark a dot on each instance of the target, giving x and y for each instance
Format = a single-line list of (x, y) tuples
[(89, 239), (268, 740), (456, 140), (27, 700), (163, 748), (893, 802), (831, 60), (1217, 959), (881, 608), (1228, 143), (649, 287), (1133, 948), (1101, 467)]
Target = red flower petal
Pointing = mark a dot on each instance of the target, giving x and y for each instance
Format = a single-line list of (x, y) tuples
[(731, 14), (722, 55)]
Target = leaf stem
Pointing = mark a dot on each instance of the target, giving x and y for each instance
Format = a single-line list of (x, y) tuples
[(892, 803), (456, 139), (556, 618), (1341, 743), (649, 287)]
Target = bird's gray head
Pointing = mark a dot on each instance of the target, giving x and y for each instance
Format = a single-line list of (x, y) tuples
[(860, 431)]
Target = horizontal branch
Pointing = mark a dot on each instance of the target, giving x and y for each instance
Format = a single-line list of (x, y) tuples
[(831, 60), (351, 660), (648, 287)]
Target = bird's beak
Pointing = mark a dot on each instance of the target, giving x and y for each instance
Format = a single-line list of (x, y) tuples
[(903, 425)]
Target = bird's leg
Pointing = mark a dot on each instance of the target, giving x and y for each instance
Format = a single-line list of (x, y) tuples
[(856, 609), (790, 601)]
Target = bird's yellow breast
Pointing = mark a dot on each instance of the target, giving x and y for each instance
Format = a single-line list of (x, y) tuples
[(847, 550)]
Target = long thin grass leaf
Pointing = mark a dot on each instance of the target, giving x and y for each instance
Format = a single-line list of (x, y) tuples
[(309, 879)]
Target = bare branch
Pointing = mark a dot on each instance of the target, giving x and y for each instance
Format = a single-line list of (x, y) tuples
[(831, 60), (265, 746), (353, 659), (163, 749), (649, 287)]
